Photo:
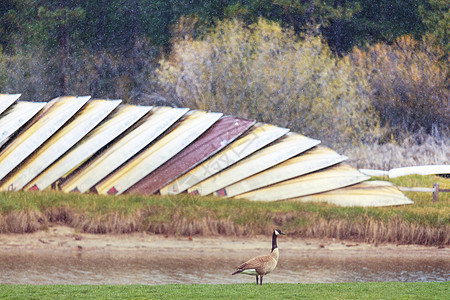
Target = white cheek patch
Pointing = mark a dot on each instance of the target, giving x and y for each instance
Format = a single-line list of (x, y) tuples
[(250, 272)]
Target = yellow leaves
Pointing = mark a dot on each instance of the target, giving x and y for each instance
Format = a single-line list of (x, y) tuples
[(265, 72)]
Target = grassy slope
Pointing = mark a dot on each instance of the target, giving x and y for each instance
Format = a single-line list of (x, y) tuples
[(424, 222), (368, 290)]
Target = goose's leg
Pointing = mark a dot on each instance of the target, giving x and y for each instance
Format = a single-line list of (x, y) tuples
[(256, 279), (260, 280)]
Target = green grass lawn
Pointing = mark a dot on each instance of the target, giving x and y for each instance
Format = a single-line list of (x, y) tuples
[(367, 290)]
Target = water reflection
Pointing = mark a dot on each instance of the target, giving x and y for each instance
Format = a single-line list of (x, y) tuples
[(141, 267)]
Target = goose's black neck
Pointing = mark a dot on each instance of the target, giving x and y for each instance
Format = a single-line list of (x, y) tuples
[(274, 241)]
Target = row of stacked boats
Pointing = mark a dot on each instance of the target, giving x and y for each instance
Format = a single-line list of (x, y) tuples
[(79, 144)]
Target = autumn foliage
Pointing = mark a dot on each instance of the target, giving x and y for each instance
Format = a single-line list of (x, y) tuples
[(268, 73), (374, 95), (408, 84)]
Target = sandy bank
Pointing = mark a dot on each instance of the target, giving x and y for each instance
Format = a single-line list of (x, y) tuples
[(60, 238)]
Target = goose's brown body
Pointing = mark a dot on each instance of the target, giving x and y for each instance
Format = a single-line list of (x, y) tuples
[(263, 264)]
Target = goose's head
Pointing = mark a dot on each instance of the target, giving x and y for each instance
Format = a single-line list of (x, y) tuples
[(278, 232)]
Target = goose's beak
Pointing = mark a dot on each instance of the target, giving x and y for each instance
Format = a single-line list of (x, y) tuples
[(282, 233)]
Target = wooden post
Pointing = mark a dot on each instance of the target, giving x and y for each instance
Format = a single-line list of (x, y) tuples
[(435, 192)]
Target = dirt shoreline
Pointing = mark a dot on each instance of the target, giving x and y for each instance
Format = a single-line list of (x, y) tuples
[(65, 239)]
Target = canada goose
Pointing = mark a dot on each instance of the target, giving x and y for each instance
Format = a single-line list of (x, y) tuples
[(264, 264)]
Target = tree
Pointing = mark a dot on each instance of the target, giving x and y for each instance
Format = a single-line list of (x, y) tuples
[(330, 16), (7, 26), (45, 23), (58, 17), (436, 16), (385, 20)]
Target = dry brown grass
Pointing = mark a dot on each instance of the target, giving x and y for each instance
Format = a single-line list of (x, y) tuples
[(22, 222), (376, 232), (369, 230), (426, 151)]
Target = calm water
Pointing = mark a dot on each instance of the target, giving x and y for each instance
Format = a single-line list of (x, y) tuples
[(161, 268)]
